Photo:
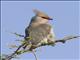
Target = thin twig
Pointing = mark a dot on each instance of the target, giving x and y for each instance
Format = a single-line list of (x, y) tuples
[(63, 40), (19, 35), (34, 55)]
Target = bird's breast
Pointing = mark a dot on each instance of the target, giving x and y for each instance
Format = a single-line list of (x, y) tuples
[(39, 33)]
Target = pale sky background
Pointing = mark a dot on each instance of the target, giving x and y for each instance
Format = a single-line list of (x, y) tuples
[(15, 16)]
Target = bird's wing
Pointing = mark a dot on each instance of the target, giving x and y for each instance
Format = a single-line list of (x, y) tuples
[(26, 33)]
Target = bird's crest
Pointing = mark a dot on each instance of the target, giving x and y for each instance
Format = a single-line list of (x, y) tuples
[(41, 14)]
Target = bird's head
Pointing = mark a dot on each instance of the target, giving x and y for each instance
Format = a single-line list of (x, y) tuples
[(39, 18), (42, 14)]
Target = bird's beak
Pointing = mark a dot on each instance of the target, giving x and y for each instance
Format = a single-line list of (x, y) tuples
[(50, 18)]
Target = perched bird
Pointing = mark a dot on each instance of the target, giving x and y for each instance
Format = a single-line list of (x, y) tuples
[(39, 29)]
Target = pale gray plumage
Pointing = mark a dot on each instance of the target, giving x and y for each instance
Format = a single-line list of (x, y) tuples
[(39, 29)]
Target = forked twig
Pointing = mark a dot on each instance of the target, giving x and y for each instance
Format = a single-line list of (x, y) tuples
[(15, 52)]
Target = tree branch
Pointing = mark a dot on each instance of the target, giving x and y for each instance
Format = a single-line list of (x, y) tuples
[(15, 52), (63, 40)]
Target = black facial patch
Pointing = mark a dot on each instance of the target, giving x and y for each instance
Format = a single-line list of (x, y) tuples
[(45, 17)]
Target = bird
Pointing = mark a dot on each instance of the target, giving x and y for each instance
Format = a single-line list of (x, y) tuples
[(39, 30)]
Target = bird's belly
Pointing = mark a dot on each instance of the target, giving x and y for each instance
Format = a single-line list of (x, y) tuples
[(38, 36)]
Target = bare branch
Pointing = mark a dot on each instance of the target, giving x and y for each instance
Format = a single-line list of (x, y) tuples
[(63, 40)]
